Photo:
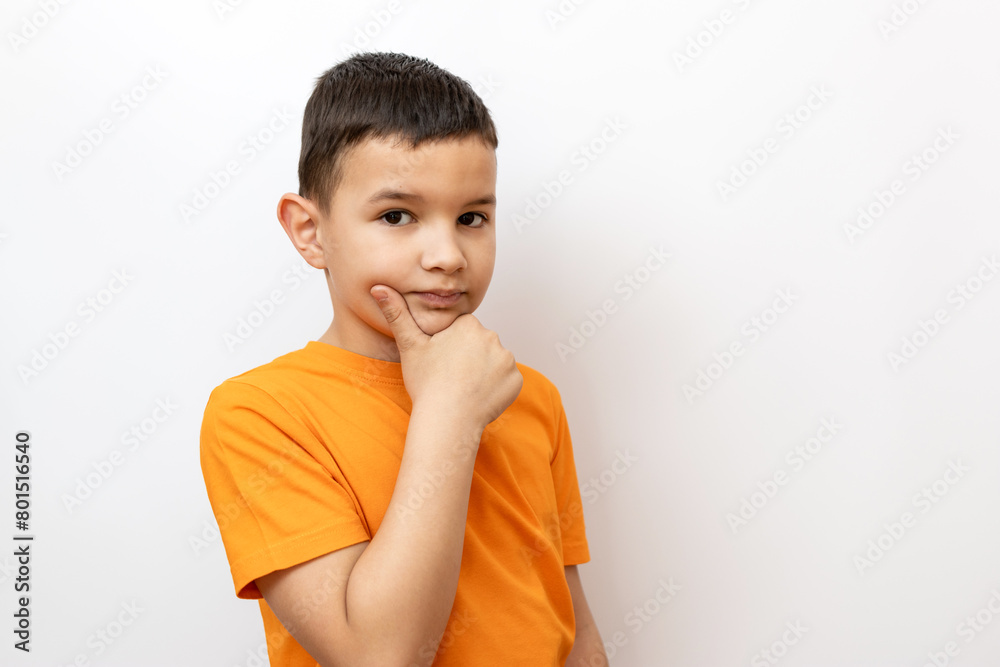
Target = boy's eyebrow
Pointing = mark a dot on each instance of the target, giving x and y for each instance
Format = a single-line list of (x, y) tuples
[(387, 193)]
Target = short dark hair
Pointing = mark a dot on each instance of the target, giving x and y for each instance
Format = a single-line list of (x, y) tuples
[(380, 96)]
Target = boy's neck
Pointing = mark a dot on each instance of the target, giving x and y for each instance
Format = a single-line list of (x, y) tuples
[(372, 344)]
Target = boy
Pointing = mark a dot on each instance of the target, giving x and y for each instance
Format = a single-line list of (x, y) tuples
[(401, 491)]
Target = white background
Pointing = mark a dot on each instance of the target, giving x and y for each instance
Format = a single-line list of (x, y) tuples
[(552, 86)]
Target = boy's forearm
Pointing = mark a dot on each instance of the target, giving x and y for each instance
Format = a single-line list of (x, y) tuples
[(588, 648), (402, 588)]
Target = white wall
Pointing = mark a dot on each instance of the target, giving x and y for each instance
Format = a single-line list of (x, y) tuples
[(692, 460)]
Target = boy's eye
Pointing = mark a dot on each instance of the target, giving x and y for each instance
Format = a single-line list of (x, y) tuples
[(394, 217), (468, 219)]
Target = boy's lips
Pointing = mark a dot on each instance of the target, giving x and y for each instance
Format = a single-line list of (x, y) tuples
[(441, 292), (441, 297)]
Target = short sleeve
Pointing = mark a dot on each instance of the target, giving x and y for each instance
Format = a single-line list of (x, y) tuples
[(570, 506), (277, 495)]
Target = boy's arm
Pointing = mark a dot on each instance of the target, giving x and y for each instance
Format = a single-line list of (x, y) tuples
[(588, 648), (386, 602), (381, 602)]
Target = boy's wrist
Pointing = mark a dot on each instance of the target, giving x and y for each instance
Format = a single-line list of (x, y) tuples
[(451, 416)]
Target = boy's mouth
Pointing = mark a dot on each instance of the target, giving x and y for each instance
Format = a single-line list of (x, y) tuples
[(440, 297)]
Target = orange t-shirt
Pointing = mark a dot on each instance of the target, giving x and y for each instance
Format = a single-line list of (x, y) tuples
[(300, 457)]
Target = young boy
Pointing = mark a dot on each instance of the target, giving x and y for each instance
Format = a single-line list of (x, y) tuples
[(401, 491)]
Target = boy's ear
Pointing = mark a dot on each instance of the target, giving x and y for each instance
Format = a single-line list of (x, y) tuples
[(300, 219)]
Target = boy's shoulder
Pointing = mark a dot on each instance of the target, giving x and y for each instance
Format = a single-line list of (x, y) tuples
[(536, 378), (538, 388), (289, 372), (289, 362), (280, 366)]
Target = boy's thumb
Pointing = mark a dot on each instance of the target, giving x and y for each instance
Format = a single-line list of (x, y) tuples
[(396, 313)]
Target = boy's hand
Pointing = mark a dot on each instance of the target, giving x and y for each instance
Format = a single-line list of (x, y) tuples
[(462, 369)]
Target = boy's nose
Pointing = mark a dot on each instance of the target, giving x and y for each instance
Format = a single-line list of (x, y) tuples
[(441, 250)]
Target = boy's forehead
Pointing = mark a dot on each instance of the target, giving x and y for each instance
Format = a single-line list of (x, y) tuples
[(397, 146), (379, 163)]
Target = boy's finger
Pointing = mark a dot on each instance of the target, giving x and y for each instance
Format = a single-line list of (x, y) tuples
[(397, 315)]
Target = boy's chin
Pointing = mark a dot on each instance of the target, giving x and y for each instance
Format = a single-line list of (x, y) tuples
[(435, 321)]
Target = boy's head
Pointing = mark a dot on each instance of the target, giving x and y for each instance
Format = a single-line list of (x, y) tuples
[(397, 180), (382, 96)]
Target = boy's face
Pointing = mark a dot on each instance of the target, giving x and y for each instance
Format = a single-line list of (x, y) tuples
[(419, 220)]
